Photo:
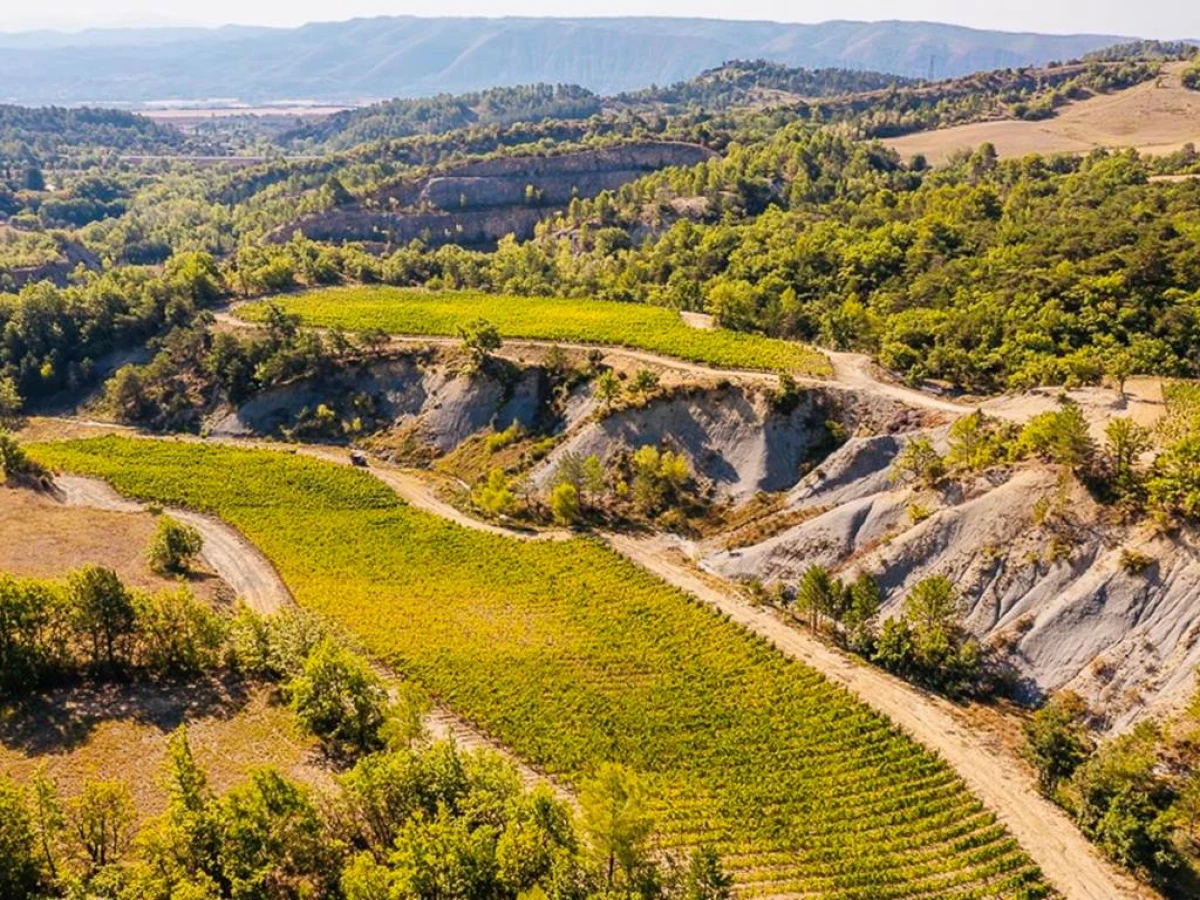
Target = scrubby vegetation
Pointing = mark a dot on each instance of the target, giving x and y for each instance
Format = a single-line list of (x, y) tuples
[(605, 664), (92, 623), (1115, 471), (1137, 795), (408, 821)]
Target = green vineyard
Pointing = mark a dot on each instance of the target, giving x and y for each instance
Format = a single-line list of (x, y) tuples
[(571, 656), (636, 325)]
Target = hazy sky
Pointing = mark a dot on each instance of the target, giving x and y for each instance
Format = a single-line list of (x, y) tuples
[(1148, 18)]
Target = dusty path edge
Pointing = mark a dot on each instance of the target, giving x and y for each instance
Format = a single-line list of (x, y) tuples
[(258, 584), (1071, 864)]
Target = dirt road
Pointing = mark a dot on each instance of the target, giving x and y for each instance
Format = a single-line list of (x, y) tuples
[(255, 581), (226, 552), (1066, 858)]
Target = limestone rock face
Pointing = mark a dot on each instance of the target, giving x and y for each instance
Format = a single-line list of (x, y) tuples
[(478, 203)]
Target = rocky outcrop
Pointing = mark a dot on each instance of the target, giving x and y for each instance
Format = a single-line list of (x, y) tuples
[(478, 203), (735, 438), (435, 404), (1072, 599)]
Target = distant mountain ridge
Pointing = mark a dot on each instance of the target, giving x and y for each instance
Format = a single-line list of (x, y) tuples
[(407, 56)]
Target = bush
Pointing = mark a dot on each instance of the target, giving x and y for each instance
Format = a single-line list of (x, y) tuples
[(178, 635), (1057, 740), (505, 438), (1059, 436), (564, 504), (339, 699), (20, 871), (495, 496), (175, 547), (919, 462), (15, 465)]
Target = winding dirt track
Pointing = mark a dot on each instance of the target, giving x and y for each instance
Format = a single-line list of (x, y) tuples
[(1070, 863), (231, 556), (252, 577)]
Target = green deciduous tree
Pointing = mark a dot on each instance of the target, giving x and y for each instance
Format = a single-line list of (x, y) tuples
[(21, 873), (101, 822), (105, 610), (495, 496), (340, 699), (1059, 436), (1057, 739), (480, 338), (564, 503), (1174, 483), (174, 547), (616, 820)]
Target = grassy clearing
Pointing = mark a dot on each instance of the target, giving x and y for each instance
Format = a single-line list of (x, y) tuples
[(41, 538), (86, 732), (572, 656), (636, 325)]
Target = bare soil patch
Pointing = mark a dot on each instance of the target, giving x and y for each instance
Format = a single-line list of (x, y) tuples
[(42, 538), (1156, 117)]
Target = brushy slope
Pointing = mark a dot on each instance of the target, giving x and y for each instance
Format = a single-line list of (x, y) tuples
[(636, 325), (571, 656)]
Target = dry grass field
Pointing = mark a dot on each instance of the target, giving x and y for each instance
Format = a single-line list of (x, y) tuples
[(40, 538), (121, 732), (1155, 117)]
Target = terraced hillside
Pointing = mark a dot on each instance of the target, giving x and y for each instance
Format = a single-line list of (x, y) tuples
[(571, 657)]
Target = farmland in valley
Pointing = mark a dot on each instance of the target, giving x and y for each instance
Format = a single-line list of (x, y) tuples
[(1156, 117), (571, 656), (636, 325)]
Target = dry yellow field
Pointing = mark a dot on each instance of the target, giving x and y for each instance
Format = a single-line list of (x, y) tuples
[(1155, 117), (121, 732), (40, 538)]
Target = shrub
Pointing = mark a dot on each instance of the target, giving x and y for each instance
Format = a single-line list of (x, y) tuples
[(564, 503), (15, 465), (495, 496), (505, 438), (1059, 436), (1057, 740), (178, 634), (339, 699), (1134, 562), (174, 547), (919, 462)]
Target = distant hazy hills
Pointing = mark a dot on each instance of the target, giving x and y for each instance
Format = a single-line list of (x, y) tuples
[(408, 56)]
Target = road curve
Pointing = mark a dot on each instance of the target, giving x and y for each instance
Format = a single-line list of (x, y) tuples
[(238, 562), (1069, 862)]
